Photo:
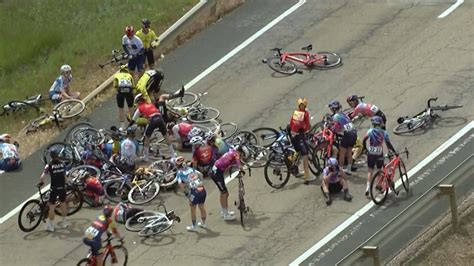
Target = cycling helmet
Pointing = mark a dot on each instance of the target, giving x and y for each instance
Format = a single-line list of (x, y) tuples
[(146, 22), (123, 68), (138, 98), (240, 148), (130, 31), (334, 104), (198, 140), (66, 69), (5, 137), (180, 160), (54, 153), (332, 161), (353, 98), (108, 210), (86, 155), (195, 132), (376, 120), (210, 135), (302, 101), (131, 130), (156, 72)]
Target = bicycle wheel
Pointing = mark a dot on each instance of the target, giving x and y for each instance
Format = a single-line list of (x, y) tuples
[(242, 207), (144, 193), (74, 202), (403, 175), (227, 130), (244, 137), (446, 107), (328, 60), (133, 223), (315, 128), (30, 215), (77, 126), (78, 172), (87, 135), (379, 187), (188, 99), (157, 227), (23, 107), (34, 125), (117, 256), (266, 136), (159, 151), (167, 173), (287, 67), (85, 262), (202, 114), (276, 171), (70, 108), (117, 191), (66, 153), (408, 126), (314, 163)]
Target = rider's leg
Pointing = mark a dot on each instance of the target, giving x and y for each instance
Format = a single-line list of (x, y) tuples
[(325, 188), (193, 213), (202, 209)]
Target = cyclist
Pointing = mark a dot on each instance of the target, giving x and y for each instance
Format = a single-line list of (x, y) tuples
[(203, 155), (123, 83), (343, 126), (230, 158), (334, 180), (366, 109), (155, 121), (217, 143), (150, 84), (180, 133), (9, 156), (299, 126), (190, 181), (60, 90), (57, 171), (150, 41), (376, 137), (93, 234), (123, 211), (129, 149), (133, 47), (93, 189)]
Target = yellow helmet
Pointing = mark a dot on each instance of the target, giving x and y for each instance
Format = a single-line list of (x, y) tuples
[(302, 101)]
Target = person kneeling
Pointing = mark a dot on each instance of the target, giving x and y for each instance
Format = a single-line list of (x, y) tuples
[(334, 180)]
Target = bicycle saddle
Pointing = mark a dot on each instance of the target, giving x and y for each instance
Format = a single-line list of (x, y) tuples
[(308, 48), (276, 49), (34, 97)]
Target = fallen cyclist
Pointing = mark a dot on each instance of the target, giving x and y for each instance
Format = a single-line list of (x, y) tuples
[(334, 181), (9, 156)]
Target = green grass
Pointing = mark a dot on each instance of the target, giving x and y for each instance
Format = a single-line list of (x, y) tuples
[(38, 36)]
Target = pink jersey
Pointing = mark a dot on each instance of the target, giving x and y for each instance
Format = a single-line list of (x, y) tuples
[(227, 160), (184, 129), (366, 109)]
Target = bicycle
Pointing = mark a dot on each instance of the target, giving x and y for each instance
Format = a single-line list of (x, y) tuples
[(145, 186), (110, 251), (255, 156), (32, 102), (283, 62), (426, 117), (37, 210), (65, 109), (324, 143), (241, 206), (149, 223), (383, 180), (117, 56)]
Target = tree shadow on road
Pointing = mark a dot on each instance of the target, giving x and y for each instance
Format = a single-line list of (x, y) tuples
[(450, 121)]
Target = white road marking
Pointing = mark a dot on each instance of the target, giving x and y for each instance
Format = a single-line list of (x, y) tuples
[(194, 81), (369, 205), (451, 9)]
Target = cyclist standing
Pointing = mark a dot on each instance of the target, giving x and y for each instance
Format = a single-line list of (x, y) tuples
[(150, 41), (123, 83), (57, 171), (299, 127), (189, 180), (133, 47), (204, 155), (334, 180), (60, 90), (93, 234), (376, 137), (366, 109)]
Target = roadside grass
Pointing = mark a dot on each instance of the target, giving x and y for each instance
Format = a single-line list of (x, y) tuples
[(40, 36)]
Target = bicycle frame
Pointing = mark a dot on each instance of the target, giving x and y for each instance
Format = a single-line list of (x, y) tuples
[(325, 135), (309, 58)]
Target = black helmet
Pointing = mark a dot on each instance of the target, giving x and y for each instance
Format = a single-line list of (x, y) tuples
[(54, 154), (146, 22), (131, 131)]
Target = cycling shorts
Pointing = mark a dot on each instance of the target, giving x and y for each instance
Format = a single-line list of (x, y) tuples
[(300, 144), (57, 193), (348, 139), (95, 244), (161, 106), (154, 123), (136, 63), (197, 196), (149, 57), (55, 96), (10, 164), (375, 160), (122, 97), (217, 176), (335, 187)]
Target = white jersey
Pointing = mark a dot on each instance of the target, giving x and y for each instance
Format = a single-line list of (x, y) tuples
[(133, 45), (129, 150), (8, 151)]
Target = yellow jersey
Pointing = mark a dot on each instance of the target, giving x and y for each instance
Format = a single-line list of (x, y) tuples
[(142, 87), (149, 39), (123, 82)]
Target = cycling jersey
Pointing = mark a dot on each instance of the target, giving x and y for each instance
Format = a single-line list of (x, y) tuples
[(119, 212), (9, 158), (60, 84), (146, 109), (150, 81), (377, 137), (226, 160), (203, 155), (129, 150), (366, 109), (334, 176), (222, 146), (132, 46), (57, 171), (342, 123), (299, 121), (99, 226), (123, 82), (93, 185), (190, 177), (184, 129), (147, 38)]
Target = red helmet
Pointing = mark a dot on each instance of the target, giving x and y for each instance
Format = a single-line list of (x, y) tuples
[(130, 31)]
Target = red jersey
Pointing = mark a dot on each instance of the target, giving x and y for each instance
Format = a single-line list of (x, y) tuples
[(203, 155), (299, 121), (184, 129), (148, 109)]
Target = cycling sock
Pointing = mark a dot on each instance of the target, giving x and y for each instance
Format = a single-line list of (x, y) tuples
[(225, 211), (194, 222), (368, 186), (203, 220)]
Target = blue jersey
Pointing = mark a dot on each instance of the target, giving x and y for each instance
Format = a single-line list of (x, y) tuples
[(342, 123), (60, 84), (376, 137), (222, 146), (189, 176)]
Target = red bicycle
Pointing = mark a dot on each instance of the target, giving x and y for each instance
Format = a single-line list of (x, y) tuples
[(117, 254), (283, 62), (323, 142), (384, 179)]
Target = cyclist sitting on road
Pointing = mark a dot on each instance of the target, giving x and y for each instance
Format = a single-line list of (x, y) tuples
[(155, 120), (342, 126), (299, 126), (150, 41), (220, 145), (124, 84), (366, 109), (204, 155), (94, 189), (93, 234), (334, 180), (190, 181), (376, 136), (9, 156), (180, 133), (228, 160), (57, 171), (60, 90), (128, 151), (133, 47)]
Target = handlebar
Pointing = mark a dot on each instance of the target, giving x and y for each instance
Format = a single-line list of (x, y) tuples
[(432, 100), (390, 154)]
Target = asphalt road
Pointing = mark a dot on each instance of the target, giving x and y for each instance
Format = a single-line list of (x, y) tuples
[(396, 53)]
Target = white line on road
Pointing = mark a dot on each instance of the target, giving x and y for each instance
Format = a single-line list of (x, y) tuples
[(451, 9), (369, 205), (193, 82)]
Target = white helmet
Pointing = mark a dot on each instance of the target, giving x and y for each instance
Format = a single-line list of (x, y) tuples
[(195, 131), (198, 140), (66, 68), (138, 98)]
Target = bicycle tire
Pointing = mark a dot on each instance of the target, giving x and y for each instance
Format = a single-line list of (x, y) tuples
[(157, 229), (89, 136), (133, 225), (117, 192), (227, 130), (70, 108), (266, 136), (320, 152), (85, 262), (277, 165), (274, 64), (67, 139), (242, 206), (78, 200), (137, 197), (188, 99), (314, 164), (332, 60), (168, 178), (108, 256), (379, 180), (243, 137), (22, 105), (78, 172), (202, 115), (159, 150), (403, 175), (34, 125), (35, 216), (407, 127), (66, 153), (315, 128), (446, 107)]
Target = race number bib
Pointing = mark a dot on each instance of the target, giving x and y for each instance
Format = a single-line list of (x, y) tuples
[(349, 127), (374, 109), (91, 232), (375, 150), (125, 86), (298, 116)]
